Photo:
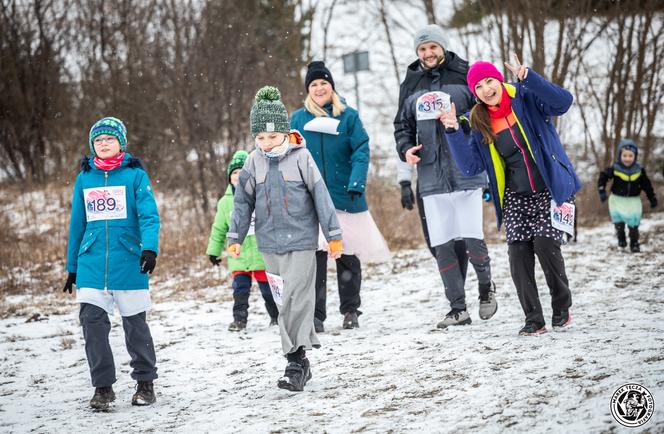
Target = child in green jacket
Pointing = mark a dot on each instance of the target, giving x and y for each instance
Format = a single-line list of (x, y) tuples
[(249, 264)]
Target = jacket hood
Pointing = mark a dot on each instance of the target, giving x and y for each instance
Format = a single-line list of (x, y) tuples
[(627, 144)]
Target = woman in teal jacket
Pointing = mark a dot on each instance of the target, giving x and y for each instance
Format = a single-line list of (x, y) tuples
[(113, 245), (339, 145)]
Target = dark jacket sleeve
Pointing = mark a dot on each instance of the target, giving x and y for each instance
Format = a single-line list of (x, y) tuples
[(552, 100), (405, 129), (646, 185), (604, 177), (465, 152)]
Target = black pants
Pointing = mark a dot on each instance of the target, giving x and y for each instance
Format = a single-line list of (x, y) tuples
[(241, 288), (138, 339), (522, 267), (349, 279), (454, 275)]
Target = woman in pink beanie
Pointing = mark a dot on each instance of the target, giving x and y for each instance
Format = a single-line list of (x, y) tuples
[(510, 135)]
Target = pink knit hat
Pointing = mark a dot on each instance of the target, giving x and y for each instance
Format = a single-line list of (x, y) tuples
[(479, 71)]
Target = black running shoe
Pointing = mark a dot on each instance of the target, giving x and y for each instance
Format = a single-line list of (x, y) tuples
[(561, 319), (532, 329), (296, 376)]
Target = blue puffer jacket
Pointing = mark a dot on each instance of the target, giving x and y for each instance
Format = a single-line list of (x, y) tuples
[(106, 238), (343, 160), (534, 102)]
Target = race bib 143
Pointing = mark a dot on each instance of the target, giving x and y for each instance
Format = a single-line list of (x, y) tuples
[(105, 203), (432, 104)]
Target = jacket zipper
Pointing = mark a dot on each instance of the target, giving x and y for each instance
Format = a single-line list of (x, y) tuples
[(106, 270), (525, 157), (322, 156)]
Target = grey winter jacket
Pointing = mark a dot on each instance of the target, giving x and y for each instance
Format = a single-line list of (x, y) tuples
[(290, 200), (437, 172)]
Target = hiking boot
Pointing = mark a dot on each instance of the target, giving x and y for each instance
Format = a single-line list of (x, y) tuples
[(350, 320), (102, 398), (273, 322), (620, 233), (237, 326), (144, 394), (455, 317), (532, 329), (318, 326), (488, 303), (296, 376), (634, 240), (561, 319)]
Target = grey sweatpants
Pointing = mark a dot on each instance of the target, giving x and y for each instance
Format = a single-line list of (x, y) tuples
[(96, 328), (296, 313)]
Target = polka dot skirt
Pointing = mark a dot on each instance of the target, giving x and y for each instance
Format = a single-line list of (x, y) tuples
[(528, 216)]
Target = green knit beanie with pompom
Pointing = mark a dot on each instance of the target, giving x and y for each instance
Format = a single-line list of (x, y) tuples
[(268, 113)]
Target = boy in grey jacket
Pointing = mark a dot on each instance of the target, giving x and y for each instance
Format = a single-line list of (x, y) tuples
[(281, 183)]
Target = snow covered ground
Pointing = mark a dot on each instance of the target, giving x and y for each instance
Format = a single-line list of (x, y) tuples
[(397, 373)]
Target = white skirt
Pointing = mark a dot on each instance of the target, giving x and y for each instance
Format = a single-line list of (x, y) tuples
[(361, 237), (129, 302), (454, 215)]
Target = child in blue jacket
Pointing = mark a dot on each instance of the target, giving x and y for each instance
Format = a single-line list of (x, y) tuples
[(113, 238)]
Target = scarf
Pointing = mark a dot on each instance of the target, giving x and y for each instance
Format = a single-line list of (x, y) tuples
[(109, 163), (278, 150), (504, 107)]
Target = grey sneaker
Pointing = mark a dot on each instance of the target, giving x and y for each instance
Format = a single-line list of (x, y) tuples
[(455, 317), (488, 303), (237, 326)]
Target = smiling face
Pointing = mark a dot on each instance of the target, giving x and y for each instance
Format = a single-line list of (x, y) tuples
[(627, 157), (268, 141), (489, 91), (320, 91), (430, 54), (106, 146)]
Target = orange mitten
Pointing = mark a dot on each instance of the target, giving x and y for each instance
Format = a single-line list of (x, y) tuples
[(335, 247), (234, 250)]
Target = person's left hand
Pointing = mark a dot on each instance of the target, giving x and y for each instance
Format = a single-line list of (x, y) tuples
[(520, 71), (148, 261), (354, 194), (334, 248), (449, 118)]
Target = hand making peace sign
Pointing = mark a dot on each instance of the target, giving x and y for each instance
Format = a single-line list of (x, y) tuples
[(519, 70)]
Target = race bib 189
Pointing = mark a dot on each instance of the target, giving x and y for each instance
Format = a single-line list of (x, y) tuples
[(432, 104), (105, 203)]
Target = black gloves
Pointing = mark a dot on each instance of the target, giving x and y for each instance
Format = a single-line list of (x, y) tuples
[(215, 260), (71, 280), (148, 261), (354, 194), (653, 202), (407, 196), (602, 195), (486, 195)]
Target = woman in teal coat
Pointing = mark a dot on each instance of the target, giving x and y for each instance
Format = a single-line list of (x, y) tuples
[(339, 145)]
